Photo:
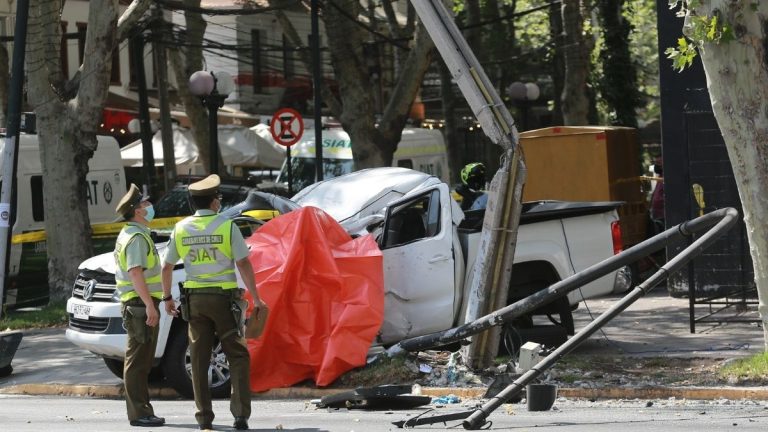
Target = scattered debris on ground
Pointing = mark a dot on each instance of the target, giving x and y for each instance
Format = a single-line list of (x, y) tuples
[(443, 369)]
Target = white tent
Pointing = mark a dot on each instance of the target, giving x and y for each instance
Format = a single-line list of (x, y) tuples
[(238, 145)]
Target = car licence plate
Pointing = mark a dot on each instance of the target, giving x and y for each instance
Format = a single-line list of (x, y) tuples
[(81, 311)]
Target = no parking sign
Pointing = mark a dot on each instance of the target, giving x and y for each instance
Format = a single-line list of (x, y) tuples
[(286, 126)]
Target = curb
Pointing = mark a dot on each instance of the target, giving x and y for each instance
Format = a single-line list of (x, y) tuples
[(159, 393)]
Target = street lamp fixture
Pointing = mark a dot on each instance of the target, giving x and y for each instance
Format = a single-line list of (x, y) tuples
[(523, 94), (212, 88)]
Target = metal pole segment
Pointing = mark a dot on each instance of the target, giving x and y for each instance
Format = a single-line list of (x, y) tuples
[(317, 77), (557, 290), (289, 170), (416, 421), (148, 155), (10, 155), (722, 220), (213, 102), (727, 218)]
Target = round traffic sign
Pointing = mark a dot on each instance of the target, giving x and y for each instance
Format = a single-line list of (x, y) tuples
[(287, 126)]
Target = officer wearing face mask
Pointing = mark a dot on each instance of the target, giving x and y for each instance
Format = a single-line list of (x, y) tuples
[(139, 286)]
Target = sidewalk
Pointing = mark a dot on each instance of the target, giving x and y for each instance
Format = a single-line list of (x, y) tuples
[(656, 325)]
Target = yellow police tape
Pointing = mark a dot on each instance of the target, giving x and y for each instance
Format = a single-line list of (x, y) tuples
[(112, 229)]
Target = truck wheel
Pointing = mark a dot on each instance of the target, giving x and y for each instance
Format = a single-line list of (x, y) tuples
[(178, 370), (116, 367)]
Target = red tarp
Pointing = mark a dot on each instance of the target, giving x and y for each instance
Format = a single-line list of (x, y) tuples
[(325, 292)]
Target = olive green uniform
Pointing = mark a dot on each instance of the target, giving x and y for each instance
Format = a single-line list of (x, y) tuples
[(210, 245), (135, 248)]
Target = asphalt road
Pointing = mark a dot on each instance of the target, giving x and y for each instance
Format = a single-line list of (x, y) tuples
[(62, 414)]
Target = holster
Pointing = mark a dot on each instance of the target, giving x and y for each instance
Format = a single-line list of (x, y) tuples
[(184, 300), (239, 307)]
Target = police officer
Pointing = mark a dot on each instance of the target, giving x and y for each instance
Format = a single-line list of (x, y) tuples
[(139, 287), (471, 188), (211, 246)]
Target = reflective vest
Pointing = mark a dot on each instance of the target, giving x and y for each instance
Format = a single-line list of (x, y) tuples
[(204, 243), (151, 274)]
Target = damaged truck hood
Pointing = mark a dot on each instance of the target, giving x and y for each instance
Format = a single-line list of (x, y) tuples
[(363, 193)]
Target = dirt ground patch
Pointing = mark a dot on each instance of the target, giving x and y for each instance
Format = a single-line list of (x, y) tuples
[(432, 369)]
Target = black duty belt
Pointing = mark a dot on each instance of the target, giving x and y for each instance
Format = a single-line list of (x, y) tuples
[(209, 290)]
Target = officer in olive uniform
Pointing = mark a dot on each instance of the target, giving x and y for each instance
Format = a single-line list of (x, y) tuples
[(211, 246), (140, 290)]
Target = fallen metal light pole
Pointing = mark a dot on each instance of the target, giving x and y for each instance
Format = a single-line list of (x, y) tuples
[(554, 291), (722, 219)]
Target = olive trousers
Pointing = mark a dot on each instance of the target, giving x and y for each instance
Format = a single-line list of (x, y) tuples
[(210, 317), (139, 355)]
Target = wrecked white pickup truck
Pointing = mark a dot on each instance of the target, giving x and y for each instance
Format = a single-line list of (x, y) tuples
[(428, 244)]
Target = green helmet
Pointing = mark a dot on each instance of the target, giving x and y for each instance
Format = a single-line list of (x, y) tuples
[(473, 175)]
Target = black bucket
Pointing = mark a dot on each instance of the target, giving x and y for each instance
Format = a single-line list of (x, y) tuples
[(541, 397)]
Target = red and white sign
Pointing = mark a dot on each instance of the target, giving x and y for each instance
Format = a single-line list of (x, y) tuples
[(286, 126)]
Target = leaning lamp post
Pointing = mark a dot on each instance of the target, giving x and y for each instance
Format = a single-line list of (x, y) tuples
[(212, 89)]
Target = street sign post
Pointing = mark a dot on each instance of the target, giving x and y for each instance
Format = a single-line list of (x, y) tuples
[(286, 128)]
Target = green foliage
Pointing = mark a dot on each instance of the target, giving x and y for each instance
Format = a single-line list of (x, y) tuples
[(699, 31), (752, 368), (52, 315), (683, 55)]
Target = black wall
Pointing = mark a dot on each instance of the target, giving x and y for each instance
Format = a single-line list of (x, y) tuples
[(694, 152)]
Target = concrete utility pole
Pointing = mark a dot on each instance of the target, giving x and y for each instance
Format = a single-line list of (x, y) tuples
[(493, 267), (10, 153), (166, 126)]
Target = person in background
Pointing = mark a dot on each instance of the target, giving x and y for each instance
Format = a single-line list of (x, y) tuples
[(211, 246), (473, 197), (657, 199), (138, 284)]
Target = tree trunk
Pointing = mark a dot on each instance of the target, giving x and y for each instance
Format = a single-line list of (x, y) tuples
[(740, 102), (68, 131), (183, 69), (558, 61), (449, 114), (372, 146), (574, 97), (618, 84)]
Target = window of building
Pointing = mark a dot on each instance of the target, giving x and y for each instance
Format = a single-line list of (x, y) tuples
[(64, 52), (256, 37), (82, 28), (115, 78), (288, 59), (36, 184)]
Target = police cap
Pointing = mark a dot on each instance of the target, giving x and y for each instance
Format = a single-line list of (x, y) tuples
[(130, 200), (205, 187)]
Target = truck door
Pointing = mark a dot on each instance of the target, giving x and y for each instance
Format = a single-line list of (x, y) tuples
[(417, 245)]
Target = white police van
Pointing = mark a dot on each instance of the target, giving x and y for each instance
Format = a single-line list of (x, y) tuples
[(28, 265), (419, 149)]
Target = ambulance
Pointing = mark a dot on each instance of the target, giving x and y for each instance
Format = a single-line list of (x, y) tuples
[(419, 149), (28, 261)]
